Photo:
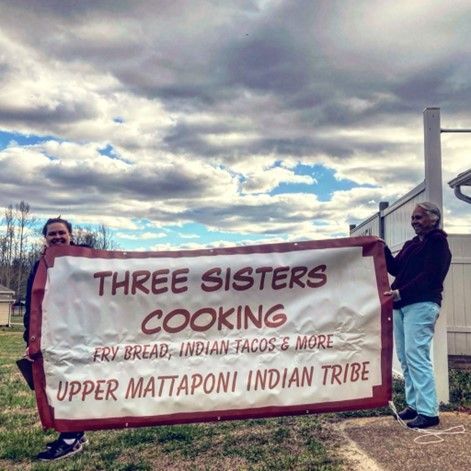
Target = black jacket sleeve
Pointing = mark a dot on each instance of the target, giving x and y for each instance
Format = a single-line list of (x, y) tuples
[(391, 263), (29, 289)]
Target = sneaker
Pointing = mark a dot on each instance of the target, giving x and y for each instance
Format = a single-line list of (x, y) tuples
[(407, 414), (423, 421), (83, 440), (60, 450)]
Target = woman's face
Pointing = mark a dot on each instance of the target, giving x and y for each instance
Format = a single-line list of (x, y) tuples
[(57, 234), (421, 221)]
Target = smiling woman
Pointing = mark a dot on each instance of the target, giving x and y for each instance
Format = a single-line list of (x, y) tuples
[(420, 269), (56, 231)]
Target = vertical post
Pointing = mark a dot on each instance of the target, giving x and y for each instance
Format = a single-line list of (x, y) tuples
[(382, 206), (433, 193), (433, 157)]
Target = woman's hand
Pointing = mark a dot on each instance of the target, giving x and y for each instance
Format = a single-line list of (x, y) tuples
[(394, 293), (26, 355)]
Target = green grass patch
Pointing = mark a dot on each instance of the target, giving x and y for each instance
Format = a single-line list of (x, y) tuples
[(460, 389)]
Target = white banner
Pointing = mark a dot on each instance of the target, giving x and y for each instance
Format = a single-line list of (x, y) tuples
[(130, 339)]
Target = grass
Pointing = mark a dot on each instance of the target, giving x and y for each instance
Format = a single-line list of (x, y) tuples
[(267, 444), (301, 443)]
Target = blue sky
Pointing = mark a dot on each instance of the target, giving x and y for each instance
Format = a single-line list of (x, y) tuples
[(324, 182), (191, 124)]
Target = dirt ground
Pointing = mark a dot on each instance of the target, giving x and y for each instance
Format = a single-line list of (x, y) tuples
[(383, 444)]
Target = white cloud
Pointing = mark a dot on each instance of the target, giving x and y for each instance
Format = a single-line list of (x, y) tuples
[(141, 235), (188, 236), (206, 110)]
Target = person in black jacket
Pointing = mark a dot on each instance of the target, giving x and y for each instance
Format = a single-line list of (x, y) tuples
[(419, 269), (56, 231)]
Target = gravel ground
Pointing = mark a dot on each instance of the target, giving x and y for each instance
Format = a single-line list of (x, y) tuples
[(382, 444)]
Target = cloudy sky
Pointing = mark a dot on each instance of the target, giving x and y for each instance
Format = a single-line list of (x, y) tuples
[(209, 122)]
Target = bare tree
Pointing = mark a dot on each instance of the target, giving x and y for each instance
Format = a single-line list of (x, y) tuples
[(97, 238), (85, 236), (3, 257), (23, 222), (7, 246), (105, 238), (18, 254)]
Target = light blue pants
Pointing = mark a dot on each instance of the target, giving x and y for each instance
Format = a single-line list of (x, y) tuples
[(414, 326)]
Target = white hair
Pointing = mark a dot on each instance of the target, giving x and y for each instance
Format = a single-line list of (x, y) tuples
[(432, 210)]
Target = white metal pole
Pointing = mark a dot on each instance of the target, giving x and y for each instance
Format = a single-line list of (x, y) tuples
[(433, 193), (433, 157)]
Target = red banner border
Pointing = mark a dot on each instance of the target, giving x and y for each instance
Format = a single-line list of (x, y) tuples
[(380, 396)]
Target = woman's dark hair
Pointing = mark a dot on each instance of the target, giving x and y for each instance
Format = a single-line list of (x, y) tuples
[(53, 221)]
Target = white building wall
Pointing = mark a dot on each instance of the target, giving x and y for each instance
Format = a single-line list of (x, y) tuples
[(457, 296)]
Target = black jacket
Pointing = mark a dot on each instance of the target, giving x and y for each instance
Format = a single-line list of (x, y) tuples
[(420, 268), (29, 289)]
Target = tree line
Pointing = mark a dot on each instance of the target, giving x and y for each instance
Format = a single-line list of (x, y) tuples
[(21, 244)]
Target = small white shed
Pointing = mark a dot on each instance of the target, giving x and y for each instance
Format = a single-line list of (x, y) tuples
[(7, 298)]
